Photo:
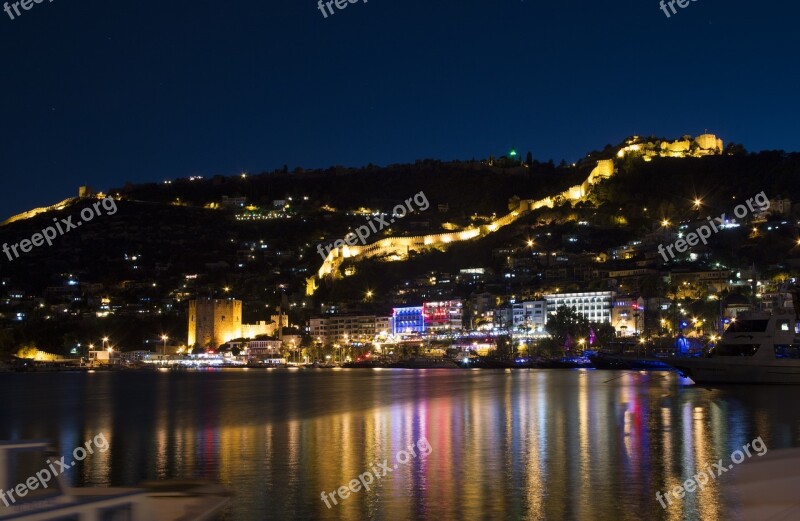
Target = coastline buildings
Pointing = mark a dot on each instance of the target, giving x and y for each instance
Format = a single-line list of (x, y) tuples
[(435, 317)]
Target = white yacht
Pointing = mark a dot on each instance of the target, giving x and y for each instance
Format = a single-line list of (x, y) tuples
[(23, 499), (757, 348)]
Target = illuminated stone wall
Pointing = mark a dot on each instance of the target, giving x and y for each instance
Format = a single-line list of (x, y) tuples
[(214, 322), (709, 142), (398, 248)]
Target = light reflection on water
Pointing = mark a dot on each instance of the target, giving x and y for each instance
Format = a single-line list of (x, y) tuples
[(555, 444)]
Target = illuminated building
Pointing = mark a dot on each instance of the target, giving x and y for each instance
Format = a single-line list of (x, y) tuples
[(408, 320), (348, 328), (264, 349), (443, 316), (529, 315), (595, 306), (214, 322), (627, 315)]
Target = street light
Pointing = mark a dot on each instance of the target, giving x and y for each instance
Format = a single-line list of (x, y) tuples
[(164, 338), (105, 342)]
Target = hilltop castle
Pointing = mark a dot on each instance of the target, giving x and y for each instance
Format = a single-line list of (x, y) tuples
[(703, 145)]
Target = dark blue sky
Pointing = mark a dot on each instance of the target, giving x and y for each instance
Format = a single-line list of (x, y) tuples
[(102, 92)]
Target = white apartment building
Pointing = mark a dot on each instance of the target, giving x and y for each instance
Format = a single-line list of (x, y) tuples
[(348, 328), (530, 315), (595, 306)]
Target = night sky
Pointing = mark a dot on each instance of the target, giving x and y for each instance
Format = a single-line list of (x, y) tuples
[(103, 92)]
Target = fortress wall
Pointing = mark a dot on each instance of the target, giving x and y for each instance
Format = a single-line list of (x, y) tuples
[(37, 211), (400, 245)]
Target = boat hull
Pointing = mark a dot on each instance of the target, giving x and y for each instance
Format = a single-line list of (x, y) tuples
[(627, 363), (737, 371)]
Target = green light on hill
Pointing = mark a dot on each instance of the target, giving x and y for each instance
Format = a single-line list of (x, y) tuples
[(513, 153)]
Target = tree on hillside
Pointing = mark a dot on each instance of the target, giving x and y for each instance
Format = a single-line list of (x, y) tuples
[(735, 149)]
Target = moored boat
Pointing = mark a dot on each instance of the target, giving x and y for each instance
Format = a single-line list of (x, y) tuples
[(628, 362), (757, 348)]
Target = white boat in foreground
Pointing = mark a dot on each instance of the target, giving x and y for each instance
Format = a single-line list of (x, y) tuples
[(757, 348), (161, 501)]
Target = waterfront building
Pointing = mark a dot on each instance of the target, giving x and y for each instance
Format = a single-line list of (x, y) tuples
[(529, 315), (105, 357), (348, 328), (264, 349), (443, 316), (627, 315), (502, 318), (595, 306), (408, 320)]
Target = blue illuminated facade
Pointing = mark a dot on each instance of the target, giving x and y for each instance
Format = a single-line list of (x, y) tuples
[(408, 320)]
